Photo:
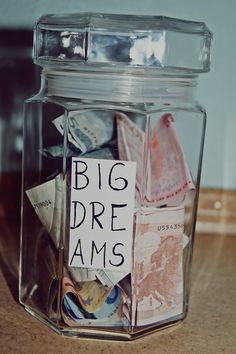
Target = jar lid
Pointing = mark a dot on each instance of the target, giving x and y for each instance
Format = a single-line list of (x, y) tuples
[(112, 42)]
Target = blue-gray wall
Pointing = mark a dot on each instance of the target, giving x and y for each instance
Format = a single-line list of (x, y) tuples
[(216, 89)]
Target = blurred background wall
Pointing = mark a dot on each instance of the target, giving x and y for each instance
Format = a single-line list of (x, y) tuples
[(216, 90)]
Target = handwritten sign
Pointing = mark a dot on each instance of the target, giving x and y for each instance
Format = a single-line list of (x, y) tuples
[(101, 213)]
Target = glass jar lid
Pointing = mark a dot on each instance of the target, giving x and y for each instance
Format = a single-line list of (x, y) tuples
[(112, 42)]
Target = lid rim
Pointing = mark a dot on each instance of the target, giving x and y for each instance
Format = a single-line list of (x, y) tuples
[(165, 20), (117, 87)]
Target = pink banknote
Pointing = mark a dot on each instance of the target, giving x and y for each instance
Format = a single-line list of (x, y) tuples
[(157, 278), (163, 176)]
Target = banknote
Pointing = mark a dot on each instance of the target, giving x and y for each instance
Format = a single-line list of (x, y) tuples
[(92, 295), (108, 152), (82, 274), (171, 180), (87, 130), (163, 176), (46, 199), (91, 304), (157, 279), (58, 151), (108, 277)]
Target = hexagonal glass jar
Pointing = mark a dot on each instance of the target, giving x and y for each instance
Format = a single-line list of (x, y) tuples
[(112, 156)]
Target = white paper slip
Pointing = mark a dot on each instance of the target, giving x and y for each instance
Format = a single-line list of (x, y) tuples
[(101, 214)]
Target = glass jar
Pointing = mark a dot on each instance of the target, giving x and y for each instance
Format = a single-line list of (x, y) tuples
[(112, 155)]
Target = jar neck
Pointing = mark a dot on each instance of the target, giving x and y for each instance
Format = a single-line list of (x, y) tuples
[(118, 87)]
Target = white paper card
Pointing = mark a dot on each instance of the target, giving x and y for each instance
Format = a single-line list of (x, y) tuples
[(101, 213)]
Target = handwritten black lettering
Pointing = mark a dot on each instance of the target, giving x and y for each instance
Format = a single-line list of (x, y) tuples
[(78, 185), (124, 180), (114, 216), (117, 254), (74, 212), (75, 254), (103, 248)]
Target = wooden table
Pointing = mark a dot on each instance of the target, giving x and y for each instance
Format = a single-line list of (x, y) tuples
[(209, 328)]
